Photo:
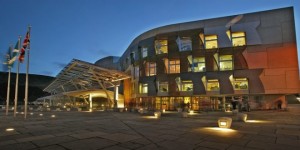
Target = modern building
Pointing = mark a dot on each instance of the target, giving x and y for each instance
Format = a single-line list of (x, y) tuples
[(213, 64)]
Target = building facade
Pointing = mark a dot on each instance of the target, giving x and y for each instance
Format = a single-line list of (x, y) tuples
[(213, 64)]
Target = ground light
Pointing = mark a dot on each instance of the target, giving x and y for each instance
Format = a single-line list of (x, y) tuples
[(53, 116), (157, 114), (224, 122), (41, 114), (10, 129), (31, 113), (257, 121)]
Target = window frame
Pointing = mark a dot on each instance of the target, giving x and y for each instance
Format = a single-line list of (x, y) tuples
[(222, 61), (238, 37), (176, 65), (211, 40), (158, 50)]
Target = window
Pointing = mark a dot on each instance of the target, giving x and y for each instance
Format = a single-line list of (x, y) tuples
[(136, 71), (161, 46), (211, 41), (226, 62), (132, 57), (187, 85), (163, 87), (150, 69), (143, 88), (240, 84), (144, 52), (184, 85), (238, 38), (184, 43), (174, 66), (199, 64), (213, 85)]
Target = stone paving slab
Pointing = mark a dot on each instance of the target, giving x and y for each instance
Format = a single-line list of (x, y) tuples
[(114, 130)]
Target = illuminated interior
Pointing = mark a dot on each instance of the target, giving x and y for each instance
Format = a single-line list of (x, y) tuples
[(240, 84), (226, 62), (187, 85), (211, 41), (213, 85), (163, 86), (161, 46), (150, 69), (238, 38), (174, 66), (143, 88), (196, 64)]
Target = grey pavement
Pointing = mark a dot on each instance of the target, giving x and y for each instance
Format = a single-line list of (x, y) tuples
[(127, 130)]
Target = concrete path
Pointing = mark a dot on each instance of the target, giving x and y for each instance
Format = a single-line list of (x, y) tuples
[(121, 131)]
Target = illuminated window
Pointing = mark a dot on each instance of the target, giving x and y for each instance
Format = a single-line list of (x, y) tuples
[(144, 52), (211, 41), (240, 84), (143, 88), (199, 64), (213, 85), (150, 69), (187, 85), (184, 43), (226, 62), (163, 86), (238, 38), (161, 46), (174, 66)]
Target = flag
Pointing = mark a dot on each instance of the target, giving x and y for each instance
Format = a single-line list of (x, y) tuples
[(179, 43), (14, 54), (7, 57), (26, 42)]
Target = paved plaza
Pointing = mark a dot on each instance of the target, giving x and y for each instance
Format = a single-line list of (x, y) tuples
[(127, 130)]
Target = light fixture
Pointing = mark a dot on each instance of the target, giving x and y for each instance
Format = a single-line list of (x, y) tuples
[(10, 129), (191, 111), (157, 114), (41, 114), (164, 110), (31, 113), (242, 117), (224, 122), (52, 116)]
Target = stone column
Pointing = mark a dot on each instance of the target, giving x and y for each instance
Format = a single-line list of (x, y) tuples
[(91, 102), (116, 96)]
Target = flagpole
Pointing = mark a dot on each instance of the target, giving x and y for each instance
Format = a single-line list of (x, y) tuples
[(8, 91), (27, 70), (17, 81)]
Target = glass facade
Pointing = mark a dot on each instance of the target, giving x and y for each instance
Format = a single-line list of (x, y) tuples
[(211, 41), (226, 62), (238, 39)]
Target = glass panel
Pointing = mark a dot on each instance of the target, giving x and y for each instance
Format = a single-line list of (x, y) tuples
[(226, 62), (238, 39), (184, 43), (211, 44), (150, 69), (174, 66), (163, 87), (238, 34), (187, 86), (161, 46), (143, 88), (241, 84), (211, 37), (144, 52), (199, 64), (226, 65), (213, 85)]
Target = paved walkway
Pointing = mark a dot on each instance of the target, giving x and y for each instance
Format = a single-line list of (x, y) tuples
[(121, 131)]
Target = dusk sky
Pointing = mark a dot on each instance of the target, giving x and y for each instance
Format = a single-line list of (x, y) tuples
[(91, 29)]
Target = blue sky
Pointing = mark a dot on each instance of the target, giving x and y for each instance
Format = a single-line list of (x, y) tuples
[(91, 29)]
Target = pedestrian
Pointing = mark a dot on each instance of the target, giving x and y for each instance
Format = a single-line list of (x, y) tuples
[(279, 103)]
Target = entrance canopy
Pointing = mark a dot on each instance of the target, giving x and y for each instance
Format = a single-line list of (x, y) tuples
[(79, 75)]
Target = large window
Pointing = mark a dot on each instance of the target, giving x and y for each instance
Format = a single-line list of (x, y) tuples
[(196, 64), (163, 86), (240, 84), (226, 62), (161, 46), (143, 88), (187, 85), (184, 43), (211, 41), (150, 69), (213, 85), (144, 52), (238, 38), (174, 66), (184, 85)]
